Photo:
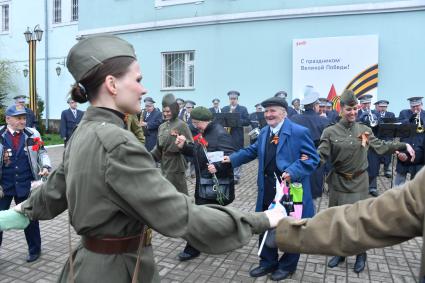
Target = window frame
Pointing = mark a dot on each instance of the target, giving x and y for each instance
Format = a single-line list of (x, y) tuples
[(74, 8), (187, 65), (164, 3), (58, 10), (2, 18)]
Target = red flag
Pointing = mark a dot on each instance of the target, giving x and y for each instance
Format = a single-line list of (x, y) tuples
[(332, 96)]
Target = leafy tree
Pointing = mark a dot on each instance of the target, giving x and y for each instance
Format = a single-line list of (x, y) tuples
[(6, 85)]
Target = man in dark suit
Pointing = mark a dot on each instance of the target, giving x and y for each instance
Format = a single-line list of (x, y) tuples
[(216, 106), (311, 119), (237, 132), (278, 149), (409, 116), (70, 118), (31, 119), (152, 118), (182, 109)]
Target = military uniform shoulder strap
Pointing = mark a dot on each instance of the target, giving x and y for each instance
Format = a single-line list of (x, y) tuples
[(111, 135)]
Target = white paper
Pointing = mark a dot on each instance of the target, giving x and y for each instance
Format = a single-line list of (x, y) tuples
[(215, 156)]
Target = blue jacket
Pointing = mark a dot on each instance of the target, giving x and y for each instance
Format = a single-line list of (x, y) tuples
[(35, 159), (293, 141), (151, 130), (68, 123)]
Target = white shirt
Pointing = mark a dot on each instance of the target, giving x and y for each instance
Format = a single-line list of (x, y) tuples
[(275, 130)]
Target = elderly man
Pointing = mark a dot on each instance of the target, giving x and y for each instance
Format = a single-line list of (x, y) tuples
[(152, 118), (22, 154), (70, 118), (31, 119), (278, 149), (296, 104)]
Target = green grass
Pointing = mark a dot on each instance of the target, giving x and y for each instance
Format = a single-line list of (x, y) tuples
[(52, 139)]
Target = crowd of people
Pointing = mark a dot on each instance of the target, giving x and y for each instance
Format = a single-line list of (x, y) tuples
[(141, 159)]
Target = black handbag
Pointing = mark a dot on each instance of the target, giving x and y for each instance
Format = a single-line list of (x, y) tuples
[(220, 193)]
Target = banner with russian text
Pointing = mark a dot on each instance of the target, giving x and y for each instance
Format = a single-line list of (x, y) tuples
[(332, 64)]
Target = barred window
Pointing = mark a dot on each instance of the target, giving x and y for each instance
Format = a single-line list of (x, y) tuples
[(57, 11), (178, 70), (74, 10), (4, 17)]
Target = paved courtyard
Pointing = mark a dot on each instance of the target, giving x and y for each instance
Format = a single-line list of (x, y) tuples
[(393, 264)]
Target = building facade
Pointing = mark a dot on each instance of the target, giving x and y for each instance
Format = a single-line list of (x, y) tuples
[(201, 49)]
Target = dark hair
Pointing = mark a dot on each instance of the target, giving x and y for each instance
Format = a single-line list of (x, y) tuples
[(87, 89)]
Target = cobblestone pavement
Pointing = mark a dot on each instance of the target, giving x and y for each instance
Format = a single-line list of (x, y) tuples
[(393, 264)]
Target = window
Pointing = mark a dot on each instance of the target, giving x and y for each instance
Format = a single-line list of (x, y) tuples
[(74, 10), (162, 3), (4, 18), (178, 70), (57, 11)]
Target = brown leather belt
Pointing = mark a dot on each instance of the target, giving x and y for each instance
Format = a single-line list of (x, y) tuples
[(350, 176), (116, 245)]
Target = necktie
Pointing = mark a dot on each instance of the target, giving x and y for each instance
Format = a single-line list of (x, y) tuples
[(75, 113)]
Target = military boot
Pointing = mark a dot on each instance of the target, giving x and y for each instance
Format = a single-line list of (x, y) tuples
[(335, 261), (360, 263)]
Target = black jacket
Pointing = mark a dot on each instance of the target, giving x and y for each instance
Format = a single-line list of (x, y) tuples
[(218, 140)]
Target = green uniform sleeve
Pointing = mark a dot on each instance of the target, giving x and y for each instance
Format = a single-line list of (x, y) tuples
[(324, 148), (384, 147), (394, 217), (135, 128), (143, 193), (49, 200)]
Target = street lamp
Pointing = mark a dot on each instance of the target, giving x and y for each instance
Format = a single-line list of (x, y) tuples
[(31, 37), (58, 68), (25, 71)]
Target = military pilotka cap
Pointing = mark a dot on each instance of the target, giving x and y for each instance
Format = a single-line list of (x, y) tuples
[(415, 101), (201, 114), (275, 101), (348, 98), (15, 110), (20, 98), (367, 98), (92, 51)]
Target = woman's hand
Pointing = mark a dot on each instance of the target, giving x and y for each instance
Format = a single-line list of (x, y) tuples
[(180, 141), (226, 159), (212, 169), (411, 151)]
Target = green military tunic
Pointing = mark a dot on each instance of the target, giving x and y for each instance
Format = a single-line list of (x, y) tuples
[(342, 145), (133, 126), (394, 217), (173, 163), (111, 188)]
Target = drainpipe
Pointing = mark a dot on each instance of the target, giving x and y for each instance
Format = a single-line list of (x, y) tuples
[(46, 64)]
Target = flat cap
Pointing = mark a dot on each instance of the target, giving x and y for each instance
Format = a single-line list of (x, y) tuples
[(367, 98), (15, 110), (216, 100), (348, 98), (148, 100), (281, 93), (416, 100), (92, 51), (275, 101), (201, 113)]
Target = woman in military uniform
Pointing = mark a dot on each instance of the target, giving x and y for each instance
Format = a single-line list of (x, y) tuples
[(110, 185), (173, 163), (345, 145)]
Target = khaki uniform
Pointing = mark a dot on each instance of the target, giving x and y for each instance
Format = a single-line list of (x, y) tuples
[(133, 126), (173, 163), (342, 145), (352, 229), (111, 188)]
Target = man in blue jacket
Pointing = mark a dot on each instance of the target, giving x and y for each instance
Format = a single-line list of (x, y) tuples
[(24, 160), (152, 118), (278, 149), (70, 118)]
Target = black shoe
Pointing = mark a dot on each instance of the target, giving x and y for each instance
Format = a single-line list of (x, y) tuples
[(360, 263), (387, 174), (186, 256), (374, 192), (280, 275), (335, 261), (261, 271), (32, 257)]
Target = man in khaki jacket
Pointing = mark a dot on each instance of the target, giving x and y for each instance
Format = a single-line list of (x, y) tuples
[(394, 217)]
